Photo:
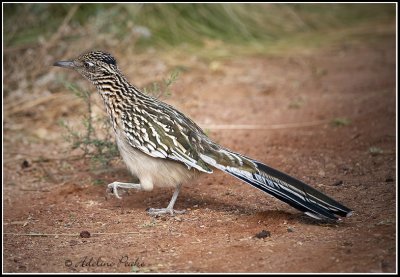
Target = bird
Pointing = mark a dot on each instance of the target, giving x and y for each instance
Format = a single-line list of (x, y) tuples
[(162, 147)]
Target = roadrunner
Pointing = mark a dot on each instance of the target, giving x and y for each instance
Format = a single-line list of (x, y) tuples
[(164, 148)]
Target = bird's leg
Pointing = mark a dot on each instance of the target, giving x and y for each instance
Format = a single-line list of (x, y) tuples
[(114, 186), (170, 208)]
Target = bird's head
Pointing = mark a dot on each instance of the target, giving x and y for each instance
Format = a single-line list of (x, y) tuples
[(92, 65)]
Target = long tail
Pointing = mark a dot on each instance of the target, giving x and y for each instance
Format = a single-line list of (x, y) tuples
[(284, 187)]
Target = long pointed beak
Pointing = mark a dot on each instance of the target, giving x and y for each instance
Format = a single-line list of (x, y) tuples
[(67, 64)]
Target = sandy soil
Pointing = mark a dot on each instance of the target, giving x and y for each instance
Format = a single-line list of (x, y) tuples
[(59, 195)]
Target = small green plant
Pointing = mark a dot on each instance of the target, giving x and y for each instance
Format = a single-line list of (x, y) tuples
[(100, 150), (374, 151), (340, 121), (98, 182), (159, 90), (135, 269), (103, 150), (296, 103)]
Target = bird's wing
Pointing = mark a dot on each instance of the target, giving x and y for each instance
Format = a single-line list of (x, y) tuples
[(163, 132)]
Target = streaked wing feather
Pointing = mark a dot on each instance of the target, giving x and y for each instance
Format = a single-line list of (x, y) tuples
[(163, 132)]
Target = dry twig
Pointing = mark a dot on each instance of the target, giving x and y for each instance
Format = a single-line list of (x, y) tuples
[(68, 234), (265, 127)]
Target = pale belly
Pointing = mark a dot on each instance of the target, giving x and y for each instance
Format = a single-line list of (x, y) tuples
[(154, 172)]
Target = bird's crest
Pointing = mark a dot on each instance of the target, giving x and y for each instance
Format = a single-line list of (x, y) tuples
[(99, 56)]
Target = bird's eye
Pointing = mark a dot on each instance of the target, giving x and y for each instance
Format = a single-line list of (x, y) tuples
[(88, 65)]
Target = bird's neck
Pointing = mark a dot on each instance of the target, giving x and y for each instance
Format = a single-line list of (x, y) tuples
[(118, 96)]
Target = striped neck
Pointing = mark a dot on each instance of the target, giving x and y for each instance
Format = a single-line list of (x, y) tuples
[(118, 95)]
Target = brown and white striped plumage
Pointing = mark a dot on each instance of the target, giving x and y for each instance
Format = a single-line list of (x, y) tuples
[(163, 147)]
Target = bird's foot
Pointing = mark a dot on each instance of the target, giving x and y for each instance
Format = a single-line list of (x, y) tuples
[(114, 186), (156, 212)]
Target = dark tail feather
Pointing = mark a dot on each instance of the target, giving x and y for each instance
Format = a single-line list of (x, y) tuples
[(290, 190)]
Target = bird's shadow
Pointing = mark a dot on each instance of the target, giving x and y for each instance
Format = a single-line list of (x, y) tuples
[(140, 200)]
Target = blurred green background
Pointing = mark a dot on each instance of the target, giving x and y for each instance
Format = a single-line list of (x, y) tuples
[(256, 26), (34, 35)]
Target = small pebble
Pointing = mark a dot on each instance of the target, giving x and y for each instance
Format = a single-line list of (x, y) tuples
[(263, 234), (25, 164), (338, 183), (84, 234)]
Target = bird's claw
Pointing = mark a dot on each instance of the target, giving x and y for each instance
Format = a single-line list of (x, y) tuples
[(113, 189), (157, 212)]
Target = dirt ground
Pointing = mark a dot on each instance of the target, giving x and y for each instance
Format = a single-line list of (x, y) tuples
[(294, 98)]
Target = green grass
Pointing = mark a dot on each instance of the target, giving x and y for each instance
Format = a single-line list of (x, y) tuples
[(340, 121), (170, 25)]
